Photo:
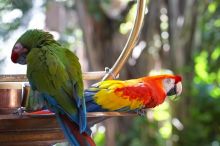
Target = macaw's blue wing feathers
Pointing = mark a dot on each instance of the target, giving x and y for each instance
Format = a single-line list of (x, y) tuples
[(91, 105), (92, 94)]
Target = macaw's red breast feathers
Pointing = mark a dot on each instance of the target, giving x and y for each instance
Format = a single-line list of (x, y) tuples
[(139, 92)]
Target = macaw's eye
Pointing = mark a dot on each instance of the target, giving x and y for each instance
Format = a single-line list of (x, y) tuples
[(168, 81)]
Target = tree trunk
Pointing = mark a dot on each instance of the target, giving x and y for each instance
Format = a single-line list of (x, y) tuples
[(183, 22), (97, 37)]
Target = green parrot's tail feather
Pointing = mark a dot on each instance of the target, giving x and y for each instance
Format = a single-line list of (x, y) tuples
[(82, 117), (80, 102), (72, 132), (79, 118)]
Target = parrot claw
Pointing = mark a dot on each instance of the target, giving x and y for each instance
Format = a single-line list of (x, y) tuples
[(141, 112), (19, 111)]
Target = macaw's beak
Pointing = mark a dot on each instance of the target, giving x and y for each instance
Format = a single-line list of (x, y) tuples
[(18, 51), (176, 90), (179, 88)]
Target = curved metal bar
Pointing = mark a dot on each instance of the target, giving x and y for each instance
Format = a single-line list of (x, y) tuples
[(133, 37)]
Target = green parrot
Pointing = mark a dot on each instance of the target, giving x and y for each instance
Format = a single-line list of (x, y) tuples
[(56, 73)]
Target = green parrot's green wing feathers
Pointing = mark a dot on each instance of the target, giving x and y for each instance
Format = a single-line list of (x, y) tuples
[(56, 72), (53, 78), (74, 71)]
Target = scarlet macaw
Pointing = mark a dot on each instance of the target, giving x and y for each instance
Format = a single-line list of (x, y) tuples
[(132, 95)]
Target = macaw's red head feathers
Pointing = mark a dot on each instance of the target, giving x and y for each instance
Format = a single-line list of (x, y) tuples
[(163, 86), (30, 39), (172, 85)]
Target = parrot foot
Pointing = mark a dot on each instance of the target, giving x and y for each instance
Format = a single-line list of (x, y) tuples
[(141, 112), (19, 111)]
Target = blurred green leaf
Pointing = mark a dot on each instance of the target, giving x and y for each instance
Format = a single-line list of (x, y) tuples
[(99, 138)]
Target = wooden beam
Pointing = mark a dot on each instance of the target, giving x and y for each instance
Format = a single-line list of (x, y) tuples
[(96, 75), (40, 131)]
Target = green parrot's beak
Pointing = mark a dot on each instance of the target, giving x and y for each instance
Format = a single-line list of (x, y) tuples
[(18, 54)]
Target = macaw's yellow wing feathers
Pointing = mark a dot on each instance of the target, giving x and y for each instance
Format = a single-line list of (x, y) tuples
[(116, 95), (111, 101)]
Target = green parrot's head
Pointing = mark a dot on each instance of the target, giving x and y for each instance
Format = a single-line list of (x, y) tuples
[(34, 38)]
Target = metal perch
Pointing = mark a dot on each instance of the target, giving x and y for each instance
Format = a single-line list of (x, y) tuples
[(132, 39), (131, 42)]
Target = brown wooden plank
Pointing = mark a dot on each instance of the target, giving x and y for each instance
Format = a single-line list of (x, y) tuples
[(28, 123), (31, 136), (26, 131), (32, 143)]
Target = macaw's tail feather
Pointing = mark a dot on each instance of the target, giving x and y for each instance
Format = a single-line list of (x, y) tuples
[(72, 132), (91, 105)]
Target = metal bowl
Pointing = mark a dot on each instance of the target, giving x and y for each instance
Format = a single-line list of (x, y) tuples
[(10, 97), (26, 94)]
